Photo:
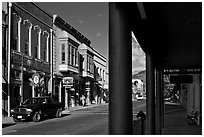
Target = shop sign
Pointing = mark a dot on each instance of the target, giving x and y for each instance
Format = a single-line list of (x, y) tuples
[(88, 83), (99, 78), (68, 81), (35, 79)]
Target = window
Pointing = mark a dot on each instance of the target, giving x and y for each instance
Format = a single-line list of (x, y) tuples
[(103, 75), (14, 32), (88, 63), (76, 57), (26, 47), (34, 43), (73, 58), (36, 51), (45, 53), (43, 46), (70, 55), (26, 39), (63, 53)]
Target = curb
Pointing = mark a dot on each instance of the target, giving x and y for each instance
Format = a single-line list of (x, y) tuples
[(68, 111), (9, 120)]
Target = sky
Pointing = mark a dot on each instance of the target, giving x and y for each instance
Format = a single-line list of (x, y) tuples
[(89, 18), (138, 56)]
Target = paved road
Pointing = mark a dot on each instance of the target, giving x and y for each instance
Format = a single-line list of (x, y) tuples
[(90, 121)]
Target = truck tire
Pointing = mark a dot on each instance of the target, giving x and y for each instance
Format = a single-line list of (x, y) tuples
[(16, 120), (37, 117), (59, 113)]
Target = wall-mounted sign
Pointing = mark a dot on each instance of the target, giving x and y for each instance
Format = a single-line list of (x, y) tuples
[(68, 81), (87, 83), (36, 78), (99, 78)]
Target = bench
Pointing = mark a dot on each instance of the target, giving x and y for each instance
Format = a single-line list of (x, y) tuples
[(192, 118)]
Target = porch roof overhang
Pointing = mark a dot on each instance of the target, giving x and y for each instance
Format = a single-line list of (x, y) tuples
[(169, 31)]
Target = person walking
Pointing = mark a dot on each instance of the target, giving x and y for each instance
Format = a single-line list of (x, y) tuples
[(83, 100)]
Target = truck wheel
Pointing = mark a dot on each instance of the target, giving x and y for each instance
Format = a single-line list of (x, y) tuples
[(59, 113), (37, 117), (16, 120)]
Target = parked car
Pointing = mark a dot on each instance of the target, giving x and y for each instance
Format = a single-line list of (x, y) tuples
[(36, 108), (139, 97)]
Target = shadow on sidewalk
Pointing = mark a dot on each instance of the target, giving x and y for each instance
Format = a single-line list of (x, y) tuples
[(7, 125), (175, 122)]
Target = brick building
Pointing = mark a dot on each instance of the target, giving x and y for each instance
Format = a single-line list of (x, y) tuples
[(29, 50)]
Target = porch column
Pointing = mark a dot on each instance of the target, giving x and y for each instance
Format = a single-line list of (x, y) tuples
[(33, 91), (9, 58), (150, 92), (120, 70), (66, 98), (51, 60), (159, 101), (60, 92)]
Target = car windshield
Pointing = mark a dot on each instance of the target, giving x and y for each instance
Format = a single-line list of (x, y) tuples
[(30, 101)]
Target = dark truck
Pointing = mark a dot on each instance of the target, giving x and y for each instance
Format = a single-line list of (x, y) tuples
[(35, 108)]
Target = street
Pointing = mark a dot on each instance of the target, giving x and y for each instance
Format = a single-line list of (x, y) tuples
[(89, 121)]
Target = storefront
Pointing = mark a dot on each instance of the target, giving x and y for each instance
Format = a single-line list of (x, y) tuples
[(23, 68)]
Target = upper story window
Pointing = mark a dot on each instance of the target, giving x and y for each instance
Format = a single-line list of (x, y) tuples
[(43, 47), (25, 36), (103, 75), (70, 55), (63, 53), (73, 58), (73, 55), (76, 57), (90, 65), (14, 29)]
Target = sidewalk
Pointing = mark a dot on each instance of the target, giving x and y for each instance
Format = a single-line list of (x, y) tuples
[(6, 121), (175, 122), (71, 109)]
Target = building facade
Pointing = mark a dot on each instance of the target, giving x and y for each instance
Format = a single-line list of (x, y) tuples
[(100, 76), (28, 51), (44, 55), (4, 58), (72, 63)]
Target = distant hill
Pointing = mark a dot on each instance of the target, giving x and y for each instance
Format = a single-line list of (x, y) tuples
[(140, 75)]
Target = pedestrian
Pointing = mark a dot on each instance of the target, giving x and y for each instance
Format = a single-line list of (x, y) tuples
[(83, 100)]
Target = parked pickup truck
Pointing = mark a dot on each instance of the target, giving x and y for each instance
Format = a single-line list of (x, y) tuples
[(37, 107)]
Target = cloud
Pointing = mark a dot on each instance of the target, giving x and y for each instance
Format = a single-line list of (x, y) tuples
[(138, 59), (100, 15), (99, 34), (137, 69), (80, 21)]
